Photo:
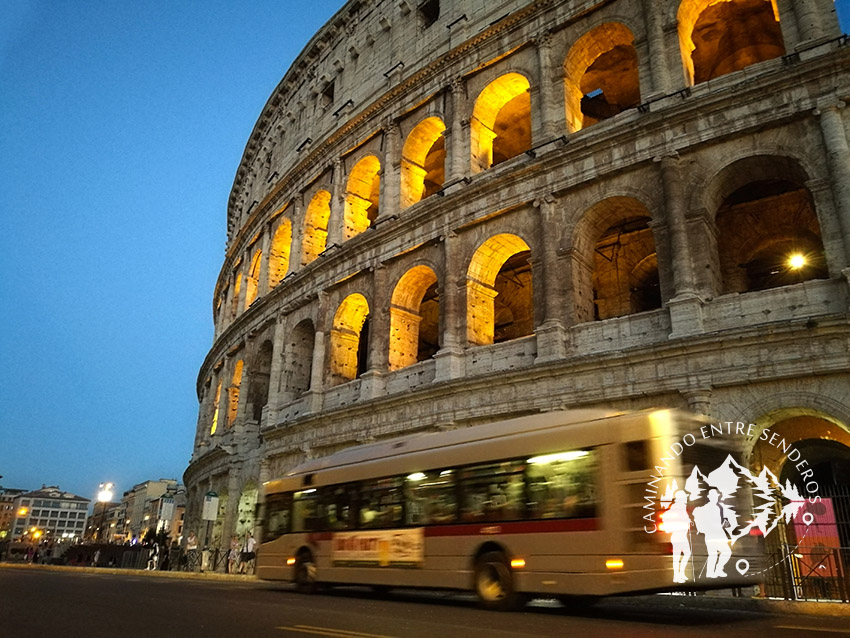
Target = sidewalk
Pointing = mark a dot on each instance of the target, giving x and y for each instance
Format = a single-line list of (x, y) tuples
[(134, 572), (741, 603)]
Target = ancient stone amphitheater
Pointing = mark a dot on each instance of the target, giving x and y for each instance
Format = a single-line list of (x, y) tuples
[(452, 211)]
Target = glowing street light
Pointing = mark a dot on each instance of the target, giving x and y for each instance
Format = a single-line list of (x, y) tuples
[(104, 496), (796, 261)]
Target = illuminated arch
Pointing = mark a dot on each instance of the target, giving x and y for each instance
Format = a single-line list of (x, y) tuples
[(362, 196), (500, 127), (216, 409), (617, 273), (237, 288), (717, 37), (233, 393), (423, 161), (414, 318), (316, 227), (601, 75), (499, 291), (298, 358), (347, 342), (279, 252), (253, 279), (765, 215)]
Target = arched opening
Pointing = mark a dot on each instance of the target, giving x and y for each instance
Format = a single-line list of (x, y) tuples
[(811, 453), (279, 252), (625, 272), (253, 279), (316, 227), (233, 393), (717, 38), (499, 291), (298, 358), (414, 318), (601, 75), (245, 511), (767, 225), (361, 196), (500, 127), (258, 395), (216, 409), (348, 340), (423, 161)]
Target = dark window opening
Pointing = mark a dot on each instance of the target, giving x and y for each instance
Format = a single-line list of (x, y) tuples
[(430, 12)]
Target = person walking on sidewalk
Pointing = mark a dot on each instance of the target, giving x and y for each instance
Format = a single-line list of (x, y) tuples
[(248, 553)]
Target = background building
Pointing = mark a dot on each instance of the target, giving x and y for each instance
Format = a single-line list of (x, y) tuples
[(142, 508), (49, 514), (7, 510), (455, 211)]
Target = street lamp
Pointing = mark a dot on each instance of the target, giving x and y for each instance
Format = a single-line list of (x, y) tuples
[(104, 496)]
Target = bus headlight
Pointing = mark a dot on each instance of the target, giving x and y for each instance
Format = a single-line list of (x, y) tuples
[(290, 561), (614, 563)]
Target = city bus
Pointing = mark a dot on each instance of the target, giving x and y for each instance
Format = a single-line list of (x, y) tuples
[(553, 504)]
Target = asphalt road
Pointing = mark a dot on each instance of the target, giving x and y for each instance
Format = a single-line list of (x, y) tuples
[(70, 604)]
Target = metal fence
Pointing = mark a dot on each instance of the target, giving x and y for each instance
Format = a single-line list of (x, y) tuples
[(811, 561)]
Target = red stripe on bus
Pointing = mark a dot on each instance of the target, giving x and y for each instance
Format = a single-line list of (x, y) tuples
[(518, 527)]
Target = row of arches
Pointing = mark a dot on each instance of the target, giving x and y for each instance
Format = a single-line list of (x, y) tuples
[(600, 79), (765, 216)]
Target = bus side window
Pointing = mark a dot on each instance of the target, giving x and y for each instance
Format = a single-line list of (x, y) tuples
[(278, 508), (336, 507), (562, 485), (305, 511), (636, 456), (381, 503), (493, 492), (430, 498)]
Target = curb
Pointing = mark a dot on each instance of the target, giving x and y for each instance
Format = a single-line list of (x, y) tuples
[(133, 572), (729, 603)]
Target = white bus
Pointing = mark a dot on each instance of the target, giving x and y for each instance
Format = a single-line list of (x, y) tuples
[(552, 504)]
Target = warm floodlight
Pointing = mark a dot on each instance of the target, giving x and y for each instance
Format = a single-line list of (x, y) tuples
[(104, 493), (796, 261)]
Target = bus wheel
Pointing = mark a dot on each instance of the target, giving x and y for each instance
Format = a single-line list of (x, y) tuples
[(305, 573), (494, 583)]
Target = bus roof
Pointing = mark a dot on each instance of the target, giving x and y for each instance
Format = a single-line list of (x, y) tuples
[(431, 450)]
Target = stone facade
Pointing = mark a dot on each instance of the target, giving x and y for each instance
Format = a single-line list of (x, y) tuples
[(515, 207)]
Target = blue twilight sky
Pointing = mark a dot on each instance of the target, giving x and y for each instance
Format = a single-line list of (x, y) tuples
[(121, 128)]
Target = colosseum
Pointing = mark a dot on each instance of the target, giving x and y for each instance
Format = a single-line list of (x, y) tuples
[(452, 211)]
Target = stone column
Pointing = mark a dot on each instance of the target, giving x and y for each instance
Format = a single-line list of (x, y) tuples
[(336, 221), (372, 383), (551, 332), (809, 24), (699, 401), (276, 371), (685, 307), (831, 234), (390, 172), (450, 358), (458, 142), (838, 160), (228, 526), (263, 283), (242, 277), (317, 368), (263, 477), (548, 109), (659, 68), (296, 252)]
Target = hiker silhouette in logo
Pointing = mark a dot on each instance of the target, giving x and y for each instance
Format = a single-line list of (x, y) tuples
[(711, 521), (677, 522)]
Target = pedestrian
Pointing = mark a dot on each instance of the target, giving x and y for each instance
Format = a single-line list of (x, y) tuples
[(248, 554), (233, 555), (191, 551), (96, 558)]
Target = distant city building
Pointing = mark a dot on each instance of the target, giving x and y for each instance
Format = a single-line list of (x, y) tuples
[(49, 513), (7, 509), (144, 505), (104, 520)]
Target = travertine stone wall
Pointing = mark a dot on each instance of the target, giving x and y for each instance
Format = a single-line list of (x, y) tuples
[(332, 240)]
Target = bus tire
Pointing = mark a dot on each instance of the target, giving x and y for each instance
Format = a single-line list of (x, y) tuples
[(494, 583), (305, 573)]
